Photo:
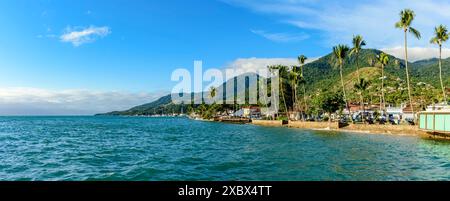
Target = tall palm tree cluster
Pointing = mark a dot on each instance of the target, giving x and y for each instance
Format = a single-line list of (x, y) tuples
[(294, 77), (291, 78), (295, 98)]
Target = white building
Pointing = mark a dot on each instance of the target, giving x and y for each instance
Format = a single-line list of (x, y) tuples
[(438, 107), (248, 112), (394, 110)]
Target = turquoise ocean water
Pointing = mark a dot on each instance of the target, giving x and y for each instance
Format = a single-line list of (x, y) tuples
[(149, 149)]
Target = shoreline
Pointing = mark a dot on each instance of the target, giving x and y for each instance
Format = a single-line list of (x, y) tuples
[(366, 129), (394, 130)]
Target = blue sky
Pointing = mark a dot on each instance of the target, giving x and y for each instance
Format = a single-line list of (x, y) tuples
[(54, 49), (147, 40)]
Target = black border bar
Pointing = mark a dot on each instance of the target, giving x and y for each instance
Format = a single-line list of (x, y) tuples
[(171, 190)]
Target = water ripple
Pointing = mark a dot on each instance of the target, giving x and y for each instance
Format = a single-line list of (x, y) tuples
[(142, 149)]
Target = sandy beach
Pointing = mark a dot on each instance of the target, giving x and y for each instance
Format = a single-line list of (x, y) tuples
[(398, 130)]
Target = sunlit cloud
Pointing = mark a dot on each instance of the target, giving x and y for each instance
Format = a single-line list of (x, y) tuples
[(254, 64), (338, 21), (78, 36), (281, 37), (417, 53)]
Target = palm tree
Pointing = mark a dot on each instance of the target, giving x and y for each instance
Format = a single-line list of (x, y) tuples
[(283, 71), (262, 87), (293, 77), (202, 108), (358, 43), (361, 87), (340, 53), (406, 18), (212, 93), (441, 35), (302, 59), (383, 60), (272, 70)]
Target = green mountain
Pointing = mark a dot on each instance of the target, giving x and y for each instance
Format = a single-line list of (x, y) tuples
[(323, 75), (324, 72), (428, 71), (426, 62), (164, 104)]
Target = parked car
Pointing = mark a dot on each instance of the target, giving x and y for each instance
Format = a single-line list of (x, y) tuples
[(410, 121)]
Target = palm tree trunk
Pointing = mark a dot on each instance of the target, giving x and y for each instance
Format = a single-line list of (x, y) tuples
[(361, 97), (293, 97), (275, 101), (362, 106), (357, 68), (383, 104), (440, 74), (304, 99), (407, 77), (284, 98), (343, 89), (304, 94), (265, 97), (296, 98)]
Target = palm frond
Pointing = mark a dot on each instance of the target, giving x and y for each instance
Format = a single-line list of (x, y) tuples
[(302, 59), (435, 40), (440, 35), (406, 18), (415, 32), (363, 43), (358, 43), (399, 25), (362, 85), (301, 80), (383, 59)]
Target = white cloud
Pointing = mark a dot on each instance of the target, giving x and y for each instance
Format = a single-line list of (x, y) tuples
[(256, 64), (34, 101), (281, 37), (338, 21), (78, 36), (417, 53)]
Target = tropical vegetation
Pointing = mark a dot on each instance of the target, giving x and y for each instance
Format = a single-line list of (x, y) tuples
[(347, 76)]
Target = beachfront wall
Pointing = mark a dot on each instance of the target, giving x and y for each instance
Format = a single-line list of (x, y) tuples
[(313, 125), (268, 122), (436, 122)]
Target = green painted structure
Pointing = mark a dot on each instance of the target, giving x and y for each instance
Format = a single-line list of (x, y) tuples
[(435, 121)]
